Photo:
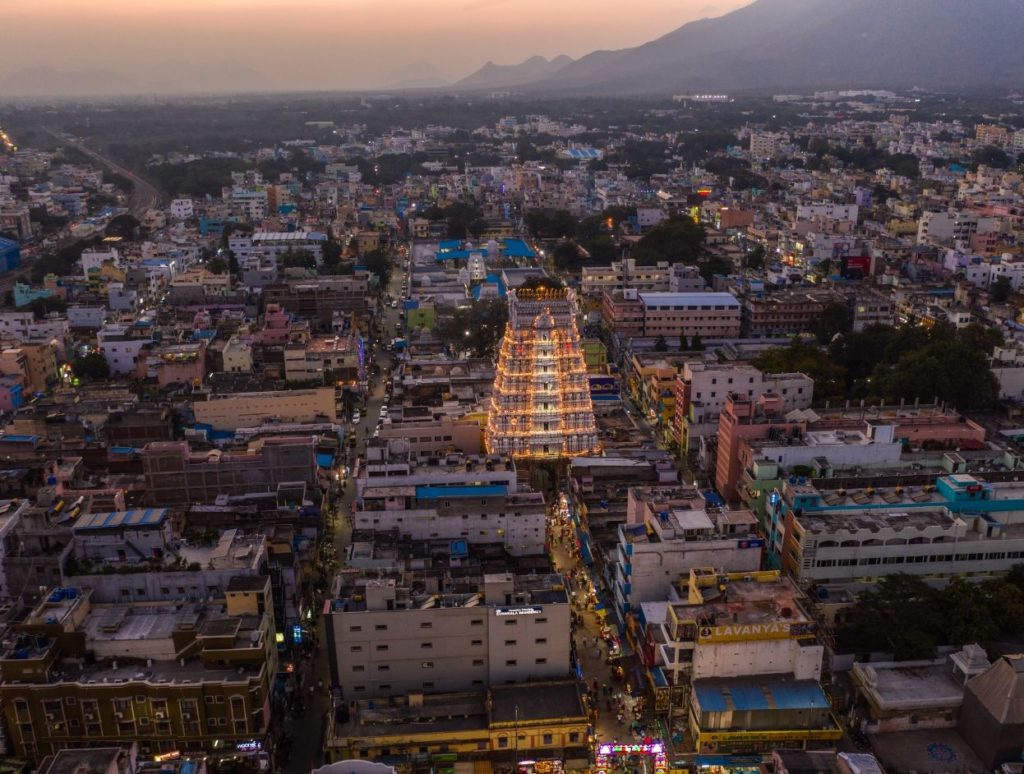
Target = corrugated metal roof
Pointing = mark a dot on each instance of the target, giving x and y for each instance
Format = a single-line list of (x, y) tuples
[(138, 517)]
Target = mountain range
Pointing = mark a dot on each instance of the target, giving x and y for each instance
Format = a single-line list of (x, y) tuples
[(807, 44), (495, 76)]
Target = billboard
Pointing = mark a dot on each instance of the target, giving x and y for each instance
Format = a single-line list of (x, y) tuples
[(604, 388), (777, 630)]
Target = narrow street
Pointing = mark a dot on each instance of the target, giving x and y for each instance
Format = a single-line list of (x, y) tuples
[(617, 716), (306, 730)]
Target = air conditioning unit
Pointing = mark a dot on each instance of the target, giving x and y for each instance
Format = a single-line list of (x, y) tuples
[(50, 716), (119, 715), (186, 715), (88, 716), (161, 716)]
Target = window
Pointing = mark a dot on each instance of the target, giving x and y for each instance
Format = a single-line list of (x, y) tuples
[(355, 628), (502, 741), (541, 641), (358, 668), (427, 665), (574, 736), (476, 642), (426, 625), (381, 627), (547, 739), (357, 648), (426, 645), (383, 668), (478, 662), (381, 648), (511, 662), (476, 622), (541, 661), (510, 643), (511, 622)]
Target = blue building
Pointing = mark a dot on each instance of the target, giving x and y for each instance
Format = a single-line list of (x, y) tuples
[(10, 255)]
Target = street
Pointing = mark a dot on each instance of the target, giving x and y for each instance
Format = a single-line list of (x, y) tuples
[(306, 731)]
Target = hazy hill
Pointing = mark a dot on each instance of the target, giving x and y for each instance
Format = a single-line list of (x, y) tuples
[(779, 44), (495, 76)]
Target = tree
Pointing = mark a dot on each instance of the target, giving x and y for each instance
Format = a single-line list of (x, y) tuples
[(833, 320), (1000, 291), (91, 366), (477, 328), (696, 345), (376, 262), (660, 345), (683, 343), (302, 259), (676, 240), (801, 356), (125, 226), (755, 258), (991, 156), (217, 265), (40, 307), (566, 255), (903, 615)]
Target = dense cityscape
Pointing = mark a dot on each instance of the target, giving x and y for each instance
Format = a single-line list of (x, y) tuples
[(458, 434)]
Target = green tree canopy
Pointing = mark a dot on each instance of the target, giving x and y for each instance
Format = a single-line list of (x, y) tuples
[(91, 366), (676, 240), (477, 328)]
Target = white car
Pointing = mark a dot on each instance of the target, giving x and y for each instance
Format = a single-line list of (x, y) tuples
[(356, 416)]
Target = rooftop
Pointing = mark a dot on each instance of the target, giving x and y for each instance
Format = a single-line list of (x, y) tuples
[(690, 299)]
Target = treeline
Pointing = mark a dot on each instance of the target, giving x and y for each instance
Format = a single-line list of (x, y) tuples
[(905, 616), (909, 362)]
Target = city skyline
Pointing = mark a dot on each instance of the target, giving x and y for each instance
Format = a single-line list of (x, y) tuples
[(223, 45)]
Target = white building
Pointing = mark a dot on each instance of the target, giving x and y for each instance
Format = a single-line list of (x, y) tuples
[(387, 639), (121, 347), (181, 209), (827, 210), (667, 534), (472, 498), (94, 258)]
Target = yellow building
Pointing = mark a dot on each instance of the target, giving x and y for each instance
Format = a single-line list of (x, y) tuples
[(168, 676), (540, 722)]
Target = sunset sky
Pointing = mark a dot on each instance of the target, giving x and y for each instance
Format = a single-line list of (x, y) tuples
[(315, 44)]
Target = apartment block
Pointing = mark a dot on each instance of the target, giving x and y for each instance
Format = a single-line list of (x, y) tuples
[(477, 499), (426, 634), (230, 411), (172, 677), (668, 532), (175, 474)]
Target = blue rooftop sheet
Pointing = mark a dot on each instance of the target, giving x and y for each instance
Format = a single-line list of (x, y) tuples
[(710, 698), (16, 438), (449, 244), (517, 248), (802, 694), (748, 696), (437, 492), (325, 460)]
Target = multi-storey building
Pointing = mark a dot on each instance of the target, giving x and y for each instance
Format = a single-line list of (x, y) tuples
[(595, 280), (541, 406), (232, 410), (784, 312), (390, 638), (702, 389), (960, 525), (669, 531), (708, 315), (318, 299), (174, 474), (190, 677), (457, 497)]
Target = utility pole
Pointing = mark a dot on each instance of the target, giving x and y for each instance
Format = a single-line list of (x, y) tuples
[(515, 742)]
